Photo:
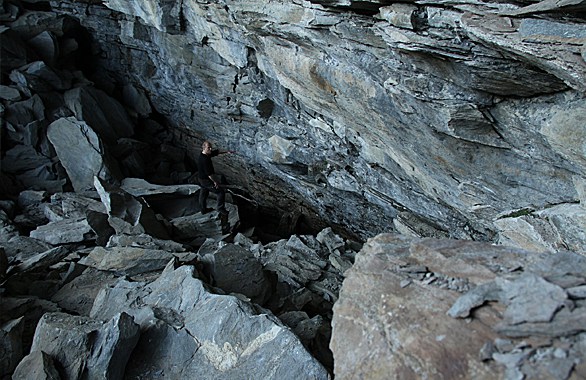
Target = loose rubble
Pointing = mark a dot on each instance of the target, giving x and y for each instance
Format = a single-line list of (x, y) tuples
[(108, 269), (107, 265)]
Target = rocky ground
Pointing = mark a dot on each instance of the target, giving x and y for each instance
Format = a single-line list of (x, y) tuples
[(108, 269), (80, 228)]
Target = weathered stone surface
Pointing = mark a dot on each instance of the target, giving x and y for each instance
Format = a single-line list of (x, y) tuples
[(402, 308), (64, 231), (294, 262), (236, 270), (198, 227), (191, 332), (11, 345), (77, 296), (43, 259), (84, 346), (127, 214), (128, 260), (37, 365), (452, 114), (80, 152)]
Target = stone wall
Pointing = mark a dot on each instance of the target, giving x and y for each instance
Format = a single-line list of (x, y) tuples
[(461, 120)]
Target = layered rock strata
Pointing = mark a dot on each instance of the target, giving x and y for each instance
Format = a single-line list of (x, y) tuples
[(428, 308), (435, 119)]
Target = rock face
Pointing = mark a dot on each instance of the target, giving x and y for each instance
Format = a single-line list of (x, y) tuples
[(446, 120), (414, 308)]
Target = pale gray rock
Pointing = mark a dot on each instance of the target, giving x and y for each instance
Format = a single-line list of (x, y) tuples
[(331, 240), (9, 93), (577, 292), (139, 187), (505, 337), (74, 205), (80, 151), (64, 232), (127, 260), (42, 260), (77, 296), (445, 113), (192, 332), (115, 344), (147, 242), (530, 298), (293, 261), (37, 365), (198, 226)]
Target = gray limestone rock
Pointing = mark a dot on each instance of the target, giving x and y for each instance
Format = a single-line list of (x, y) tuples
[(188, 331), (127, 260), (508, 336), (42, 260), (9, 93), (82, 345), (37, 365), (198, 226), (38, 77), (80, 151), (65, 231), (11, 345), (293, 261), (454, 114), (127, 214), (236, 270)]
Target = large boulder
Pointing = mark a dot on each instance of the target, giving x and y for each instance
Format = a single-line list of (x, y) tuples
[(427, 308), (190, 332)]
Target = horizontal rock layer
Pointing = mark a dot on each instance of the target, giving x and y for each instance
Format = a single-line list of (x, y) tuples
[(437, 119)]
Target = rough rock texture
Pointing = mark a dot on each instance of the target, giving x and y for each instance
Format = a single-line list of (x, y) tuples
[(429, 308), (443, 119)]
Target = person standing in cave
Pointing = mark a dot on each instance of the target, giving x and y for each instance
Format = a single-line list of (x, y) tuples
[(209, 180)]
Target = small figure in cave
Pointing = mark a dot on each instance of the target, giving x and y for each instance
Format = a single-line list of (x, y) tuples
[(209, 180)]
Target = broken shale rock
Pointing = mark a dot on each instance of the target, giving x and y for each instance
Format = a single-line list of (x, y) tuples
[(429, 308), (188, 331), (81, 345)]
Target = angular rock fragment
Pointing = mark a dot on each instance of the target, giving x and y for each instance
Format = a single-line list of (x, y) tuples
[(80, 151), (190, 332), (102, 113), (127, 260), (82, 345), (36, 365), (65, 231), (236, 270), (127, 214), (513, 313), (11, 345)]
